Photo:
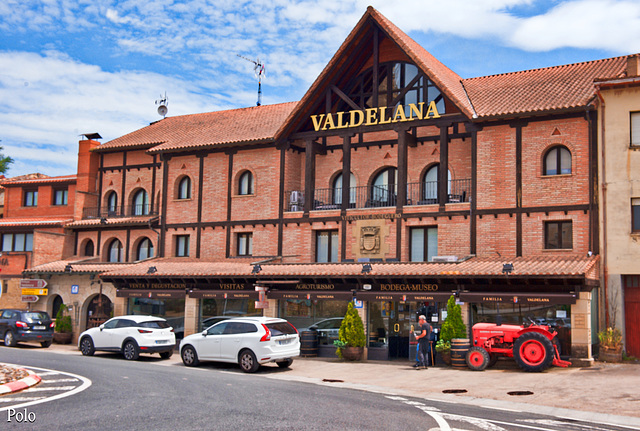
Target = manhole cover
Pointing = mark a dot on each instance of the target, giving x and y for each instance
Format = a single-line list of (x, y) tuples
[(333, 380), (590, 369), (520, 393), (454, 391)]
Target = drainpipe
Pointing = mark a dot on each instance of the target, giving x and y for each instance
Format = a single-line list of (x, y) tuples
[(603, 246), (157, 232)]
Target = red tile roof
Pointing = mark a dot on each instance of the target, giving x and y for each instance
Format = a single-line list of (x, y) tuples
[(34, 221), (19, 182), (244, 125), (77, 267), (113, 221), (548, 267), (540, 90)]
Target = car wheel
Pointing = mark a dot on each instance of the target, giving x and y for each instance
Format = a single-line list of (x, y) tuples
[(86, 346), (45, 343), (166, 355), (285, 364), (189, 356), (130, 351), (9, 339), (248, 361)]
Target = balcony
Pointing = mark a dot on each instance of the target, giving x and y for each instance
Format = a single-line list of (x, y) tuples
[(424, 193), (119, 211)]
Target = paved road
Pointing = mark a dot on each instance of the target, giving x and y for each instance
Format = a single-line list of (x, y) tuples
[(160, 395)]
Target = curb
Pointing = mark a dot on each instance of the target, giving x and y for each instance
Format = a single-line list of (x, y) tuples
[(26, 382)]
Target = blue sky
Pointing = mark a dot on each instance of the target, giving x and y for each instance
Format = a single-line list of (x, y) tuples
[(69, 67)]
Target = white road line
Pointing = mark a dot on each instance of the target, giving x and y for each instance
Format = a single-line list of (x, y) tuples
[(50, 388), (58, 380), (85, 384), (10, 399)]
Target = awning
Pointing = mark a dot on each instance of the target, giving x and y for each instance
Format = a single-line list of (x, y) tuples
[(154, 294), (316, 294), (223, 294), (519, 298), (399, 296)]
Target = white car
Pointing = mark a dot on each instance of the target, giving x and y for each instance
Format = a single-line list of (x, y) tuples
[(247, 341), (130, 335)]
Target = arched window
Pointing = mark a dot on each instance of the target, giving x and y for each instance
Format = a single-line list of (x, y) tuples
[(557, 161), (184, 188), (88, 248), (112, 203), (245, 185), (115, 251), (337, 189), (384, 188), (145, 249), (140, 203), (430, 185)]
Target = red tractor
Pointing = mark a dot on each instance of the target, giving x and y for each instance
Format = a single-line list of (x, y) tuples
[(532, 347)]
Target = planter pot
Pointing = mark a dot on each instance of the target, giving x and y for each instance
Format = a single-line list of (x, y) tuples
[(446, 356), (610, 355), (352, 353), (62, 337)]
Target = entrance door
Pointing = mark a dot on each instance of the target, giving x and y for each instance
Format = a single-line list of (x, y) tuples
[(632, 314), (401, 319)]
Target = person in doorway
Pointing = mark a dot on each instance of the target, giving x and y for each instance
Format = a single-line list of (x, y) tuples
[(423, 340)]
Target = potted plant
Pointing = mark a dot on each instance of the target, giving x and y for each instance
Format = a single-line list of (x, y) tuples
[(351, 339), (452, 328), (63, 328), (610, 345)]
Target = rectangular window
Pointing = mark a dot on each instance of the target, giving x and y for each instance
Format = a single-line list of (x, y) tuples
[(182, 245), (30, 198), (60, 197), (245, 244), (558, 235), (424, 244), (635, 215), (17, 242), (327, 246), (635, 129)]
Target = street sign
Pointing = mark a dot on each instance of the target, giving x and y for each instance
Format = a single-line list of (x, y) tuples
[(30, 298), (32, 283), (75, 288), (35, 291)]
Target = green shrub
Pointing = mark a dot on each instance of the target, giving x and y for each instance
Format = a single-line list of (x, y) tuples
[(63, 322), (453, 326), (351, 332)]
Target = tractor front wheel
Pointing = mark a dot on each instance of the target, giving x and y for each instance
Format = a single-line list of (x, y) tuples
[(533, 352), (477, 358)]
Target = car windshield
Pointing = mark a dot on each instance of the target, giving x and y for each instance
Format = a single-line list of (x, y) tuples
[(156, 324), (35, 316), (281, 328)]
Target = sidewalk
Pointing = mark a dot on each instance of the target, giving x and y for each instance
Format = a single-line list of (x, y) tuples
[(604, 392)]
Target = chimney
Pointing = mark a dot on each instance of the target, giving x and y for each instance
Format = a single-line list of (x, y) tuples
[(633, 65), (87, 175)]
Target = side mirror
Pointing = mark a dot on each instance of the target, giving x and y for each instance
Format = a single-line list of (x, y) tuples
[(101, 327), (313, 327), (204, 333)]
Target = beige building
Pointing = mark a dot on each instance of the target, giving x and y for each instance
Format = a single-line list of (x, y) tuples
[(619, 194)]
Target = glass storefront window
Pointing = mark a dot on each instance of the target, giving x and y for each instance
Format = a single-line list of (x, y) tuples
[(327, 315), (556, 316), (170, 309), (214, 310)]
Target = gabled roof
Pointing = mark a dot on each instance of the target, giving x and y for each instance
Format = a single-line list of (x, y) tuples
[(20, 181), (245, 125), (541, 90), (445, 79)]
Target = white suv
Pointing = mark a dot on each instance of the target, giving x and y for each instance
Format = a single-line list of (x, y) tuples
[(130, 335), (247, 341)]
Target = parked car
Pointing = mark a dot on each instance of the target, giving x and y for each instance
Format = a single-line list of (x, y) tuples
[(23, 325), (247, 341), (130, 335), (210, 321), (328, 329)]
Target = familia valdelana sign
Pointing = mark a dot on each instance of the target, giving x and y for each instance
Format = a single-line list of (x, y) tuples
[(373, 116)]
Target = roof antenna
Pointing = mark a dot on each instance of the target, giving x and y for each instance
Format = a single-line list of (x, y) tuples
[(163, 102), (258, 69)]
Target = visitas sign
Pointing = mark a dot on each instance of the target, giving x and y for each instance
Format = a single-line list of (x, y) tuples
[(373, 116)]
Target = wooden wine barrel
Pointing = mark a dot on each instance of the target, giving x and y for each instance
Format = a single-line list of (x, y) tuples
[(459, 348), (309, 344)]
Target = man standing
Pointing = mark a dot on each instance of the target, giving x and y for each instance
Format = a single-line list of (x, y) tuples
[(423, 340)]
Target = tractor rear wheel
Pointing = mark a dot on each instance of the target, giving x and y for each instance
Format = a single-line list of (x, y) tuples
[(533, 352), (477, 358)]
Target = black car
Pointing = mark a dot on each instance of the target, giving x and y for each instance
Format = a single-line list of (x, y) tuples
[(23, 325)]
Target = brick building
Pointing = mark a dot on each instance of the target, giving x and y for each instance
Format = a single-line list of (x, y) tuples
[(393, 181)]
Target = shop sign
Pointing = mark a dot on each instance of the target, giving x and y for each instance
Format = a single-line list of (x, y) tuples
[(408, 287), (222, 294), (153, 294), (168, 286), (373, 116)]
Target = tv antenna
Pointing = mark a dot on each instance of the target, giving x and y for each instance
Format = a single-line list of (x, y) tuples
[(162, 103), (258, 70)]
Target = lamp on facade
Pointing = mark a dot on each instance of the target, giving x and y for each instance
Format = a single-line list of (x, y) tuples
[(366, 268), (103, 220), (152, 270), (256, 269), (507, 268), (68, 268)]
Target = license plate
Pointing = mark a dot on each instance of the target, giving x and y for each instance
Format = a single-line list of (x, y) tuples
[(39, 328), (281, 342), (162, 341)]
